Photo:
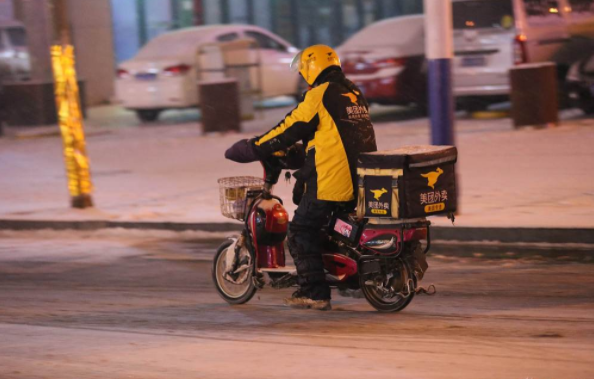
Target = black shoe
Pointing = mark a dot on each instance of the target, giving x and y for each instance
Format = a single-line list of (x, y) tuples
[(299, 294)]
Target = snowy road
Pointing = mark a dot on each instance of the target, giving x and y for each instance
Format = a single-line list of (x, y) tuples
[(121, 305)]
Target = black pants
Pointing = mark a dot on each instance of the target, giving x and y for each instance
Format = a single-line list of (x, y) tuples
[(305, 245)]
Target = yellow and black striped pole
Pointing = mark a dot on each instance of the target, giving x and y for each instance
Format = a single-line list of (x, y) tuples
[(69, 112)]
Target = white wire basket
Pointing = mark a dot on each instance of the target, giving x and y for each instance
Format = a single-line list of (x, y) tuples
[(234, 191)]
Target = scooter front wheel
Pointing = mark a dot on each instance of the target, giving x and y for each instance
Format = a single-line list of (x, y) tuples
[(232, 293)]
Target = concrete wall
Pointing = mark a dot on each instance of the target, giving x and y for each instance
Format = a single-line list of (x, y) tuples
[(92, 36), (37, 18), (6, 10), (90, 22)]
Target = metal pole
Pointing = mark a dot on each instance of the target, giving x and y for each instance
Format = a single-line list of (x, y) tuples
[(141, 17), (273, 11), (295, 23), (378, 10), (360, 13), (312, 22), (251, 17), (439, 50), (225, 12), (198, 13), (337, 23), (175, 14), (398, 8)]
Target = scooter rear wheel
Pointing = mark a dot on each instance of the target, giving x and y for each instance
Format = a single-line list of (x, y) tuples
[(383, 303), (232, 293)]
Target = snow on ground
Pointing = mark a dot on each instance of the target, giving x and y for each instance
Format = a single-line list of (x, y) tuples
[(103, 246), (168, 171), (148, 309)]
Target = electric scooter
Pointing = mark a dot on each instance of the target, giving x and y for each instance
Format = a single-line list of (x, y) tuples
[(384, 260)]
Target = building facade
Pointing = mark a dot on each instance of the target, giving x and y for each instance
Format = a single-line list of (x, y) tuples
[(6, 10), (91, 33), (301, 22)]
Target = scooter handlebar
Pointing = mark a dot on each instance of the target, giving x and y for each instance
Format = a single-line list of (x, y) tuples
[(273, 167)]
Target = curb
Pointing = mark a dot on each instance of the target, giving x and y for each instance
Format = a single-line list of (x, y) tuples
[(47, 133), (22, 225), (514, 235), (457, 234)]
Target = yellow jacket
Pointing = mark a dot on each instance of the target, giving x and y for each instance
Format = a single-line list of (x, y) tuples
[(333, 122)]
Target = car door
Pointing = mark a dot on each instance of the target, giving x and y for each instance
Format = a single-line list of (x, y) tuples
[(581, 18), (545, 29), (277, 78), (4, 56)]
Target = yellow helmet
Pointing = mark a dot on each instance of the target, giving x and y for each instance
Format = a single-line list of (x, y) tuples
[(311, 61)]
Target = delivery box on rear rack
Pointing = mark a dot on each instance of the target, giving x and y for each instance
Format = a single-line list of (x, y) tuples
[(406, 183)]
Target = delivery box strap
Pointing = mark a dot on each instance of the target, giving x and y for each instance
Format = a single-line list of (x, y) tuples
[(361, 182), (433, 162)]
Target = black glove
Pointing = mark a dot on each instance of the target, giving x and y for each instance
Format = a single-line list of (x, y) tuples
[(295, 157), (242, 151)]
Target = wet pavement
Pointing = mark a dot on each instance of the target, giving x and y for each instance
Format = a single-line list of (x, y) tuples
[(142, 305)]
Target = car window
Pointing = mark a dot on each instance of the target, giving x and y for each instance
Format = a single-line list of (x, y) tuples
[(582, 7), (1, 39), (542, 11), (227, 37), (409, 29), (171, 45), (17, 37), (266, 42), (483, 14)]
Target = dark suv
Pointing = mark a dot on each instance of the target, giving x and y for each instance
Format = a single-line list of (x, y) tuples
[(580, 84)]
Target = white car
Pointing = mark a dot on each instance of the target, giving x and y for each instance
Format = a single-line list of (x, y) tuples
[(492, 36), (386, 59), (163, 74), (15, 61)]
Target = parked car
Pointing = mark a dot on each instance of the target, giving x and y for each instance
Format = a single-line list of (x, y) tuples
[(387, 61), (387, 58), (15, 61), (491, 36), (580, 84), (163, 74)]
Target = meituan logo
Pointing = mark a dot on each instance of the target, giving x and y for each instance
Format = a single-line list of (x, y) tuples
[(378, 193), (351, 97), (432, 177)]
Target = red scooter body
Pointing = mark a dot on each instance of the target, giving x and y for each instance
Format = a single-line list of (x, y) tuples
[(269, 223)]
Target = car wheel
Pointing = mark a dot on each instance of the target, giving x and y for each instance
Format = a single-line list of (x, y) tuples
[(474, 105), (422, 108), (148, 115), (588, 108)]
